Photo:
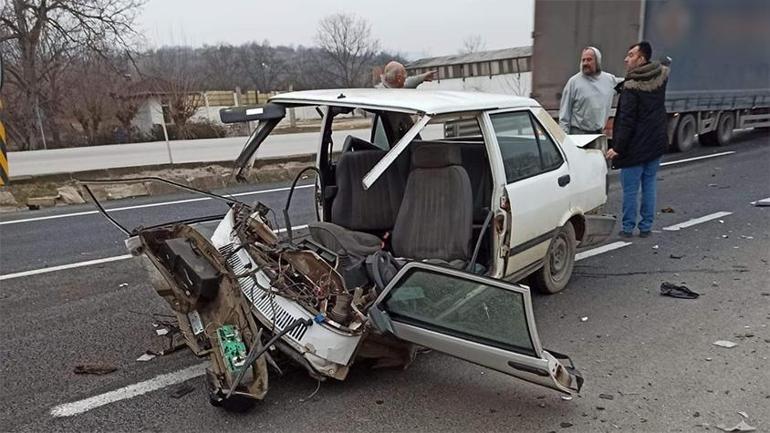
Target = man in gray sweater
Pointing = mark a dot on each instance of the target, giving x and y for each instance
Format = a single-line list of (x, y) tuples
[(587, 98)]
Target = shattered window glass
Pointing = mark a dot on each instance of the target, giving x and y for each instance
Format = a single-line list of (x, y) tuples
[(462, 308)]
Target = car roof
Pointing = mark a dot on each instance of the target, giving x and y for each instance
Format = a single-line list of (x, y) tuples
[(430, 102)]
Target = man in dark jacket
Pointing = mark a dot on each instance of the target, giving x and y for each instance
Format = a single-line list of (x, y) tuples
[(639, 136)]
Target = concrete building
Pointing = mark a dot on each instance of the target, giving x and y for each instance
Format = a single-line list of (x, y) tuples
[(507, 71)]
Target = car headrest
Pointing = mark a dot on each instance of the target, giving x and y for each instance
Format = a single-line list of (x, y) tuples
[(435, 155)]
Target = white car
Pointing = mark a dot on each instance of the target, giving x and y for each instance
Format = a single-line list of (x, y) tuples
[(423, 230)]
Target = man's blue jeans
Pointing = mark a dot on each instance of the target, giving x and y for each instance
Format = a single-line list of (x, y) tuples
[(642, 175)]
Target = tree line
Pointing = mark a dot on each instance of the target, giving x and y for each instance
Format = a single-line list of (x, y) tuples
[(74, 74)]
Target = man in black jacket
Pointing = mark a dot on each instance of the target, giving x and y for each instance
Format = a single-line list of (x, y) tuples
[(639, 137)]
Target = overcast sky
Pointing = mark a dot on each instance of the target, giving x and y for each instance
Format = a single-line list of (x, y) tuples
[(416, 29)]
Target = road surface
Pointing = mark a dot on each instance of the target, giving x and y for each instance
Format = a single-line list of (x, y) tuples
[(649, 361)]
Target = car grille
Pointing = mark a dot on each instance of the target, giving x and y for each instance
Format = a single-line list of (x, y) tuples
[(261, 299)]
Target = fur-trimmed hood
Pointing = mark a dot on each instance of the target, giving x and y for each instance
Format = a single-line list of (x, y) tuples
[(647, 77)]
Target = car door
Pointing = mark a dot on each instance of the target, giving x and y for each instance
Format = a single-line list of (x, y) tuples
[(482, 320), (537, 184)]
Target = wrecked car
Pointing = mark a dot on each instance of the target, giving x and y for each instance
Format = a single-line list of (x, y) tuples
[(423, 231)]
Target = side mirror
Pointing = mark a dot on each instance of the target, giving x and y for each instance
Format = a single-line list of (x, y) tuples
[(249, 114)]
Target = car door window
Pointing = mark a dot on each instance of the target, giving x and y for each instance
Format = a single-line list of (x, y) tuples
[(482, 320), (518, 145), (463, 308), (525, 147), (550, 153), (379, 136)]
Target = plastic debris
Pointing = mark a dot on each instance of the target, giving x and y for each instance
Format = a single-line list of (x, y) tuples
[(674, 291), (763, 202), (146, 356), (747, 237), (725, 343), (584, 319), (566, 397), (122, 285), (655, 247), (740, 427), (161, 331), (98, 369), (667, 210)]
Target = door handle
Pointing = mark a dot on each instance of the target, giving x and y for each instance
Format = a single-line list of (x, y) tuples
[(564, 180)]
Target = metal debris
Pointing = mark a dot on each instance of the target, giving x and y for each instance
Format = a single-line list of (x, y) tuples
[(724, 343), (98, 369), (146, 356)]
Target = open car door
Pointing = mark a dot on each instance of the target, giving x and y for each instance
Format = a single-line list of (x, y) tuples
[(482, 320)]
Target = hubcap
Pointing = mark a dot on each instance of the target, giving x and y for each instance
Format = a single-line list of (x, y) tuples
[(559, 257)]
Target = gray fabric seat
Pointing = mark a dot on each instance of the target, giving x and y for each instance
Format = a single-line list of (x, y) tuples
[(436, 214), (355, 212)]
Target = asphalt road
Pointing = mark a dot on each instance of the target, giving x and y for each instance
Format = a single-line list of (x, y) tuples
[(652, 355)]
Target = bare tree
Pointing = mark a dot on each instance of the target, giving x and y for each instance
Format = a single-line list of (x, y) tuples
[(262, 64), (89, 101), (473, 44), (347, 42), (27, 24), (172, 77)]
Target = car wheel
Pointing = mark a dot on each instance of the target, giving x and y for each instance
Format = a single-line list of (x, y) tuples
[(236, 403), (684, 139), (558, 263)]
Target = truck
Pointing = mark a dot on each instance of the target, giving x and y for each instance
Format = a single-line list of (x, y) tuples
[(720, 52)]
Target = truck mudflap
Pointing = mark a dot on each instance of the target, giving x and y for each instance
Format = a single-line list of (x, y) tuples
[(214, 316)]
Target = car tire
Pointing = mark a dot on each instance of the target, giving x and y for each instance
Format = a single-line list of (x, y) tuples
[(236, 403), (559, 262), (684, 138)]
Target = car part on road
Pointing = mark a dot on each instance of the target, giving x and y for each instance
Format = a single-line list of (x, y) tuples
[(97, 369), (181, 390), (675, 291)]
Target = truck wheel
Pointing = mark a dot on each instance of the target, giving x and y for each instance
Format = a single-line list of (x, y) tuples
[(559, 262), (724, 132), (684, 139)]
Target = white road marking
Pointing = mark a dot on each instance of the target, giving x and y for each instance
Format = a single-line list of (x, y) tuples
[(600, 250), (764, 200), (130, 391), (694, 221), (91, 262), (142, 206), (63, 267), (713, 155)]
